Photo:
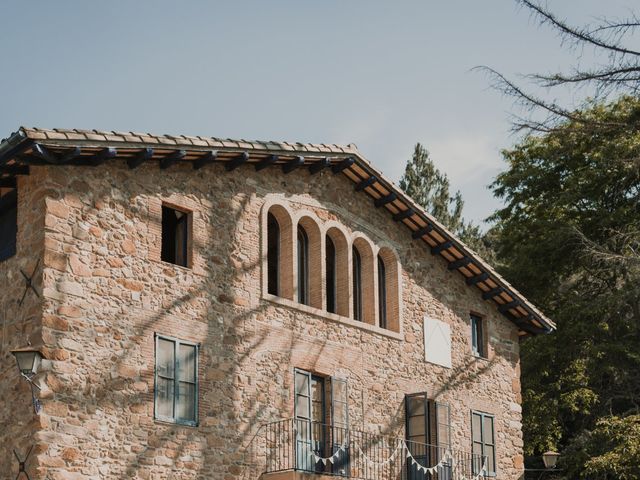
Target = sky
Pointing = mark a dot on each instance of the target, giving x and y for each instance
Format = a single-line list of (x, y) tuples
[(381, 74)]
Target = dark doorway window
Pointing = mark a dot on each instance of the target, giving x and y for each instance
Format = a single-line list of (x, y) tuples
[(357, 285), (322, 422), (175, 236), (428, 431), (273, 255), (331, 280), (382, 293), (303, 266), (8, 224)]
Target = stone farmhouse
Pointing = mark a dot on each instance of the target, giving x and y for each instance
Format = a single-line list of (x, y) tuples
[(219, 309)]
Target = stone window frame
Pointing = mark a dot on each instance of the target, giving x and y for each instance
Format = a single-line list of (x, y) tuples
[(195, 260), (177, 342), (484, 335), (288, 217)]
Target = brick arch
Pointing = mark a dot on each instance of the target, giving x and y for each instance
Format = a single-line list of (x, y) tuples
[(280, 212), (310, 226), (362, 247), (392, 291), (342, 278)]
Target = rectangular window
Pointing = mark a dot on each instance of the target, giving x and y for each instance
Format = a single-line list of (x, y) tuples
[(176, 381), (478, 345), (175, 236), (483, 443), (8, 224)]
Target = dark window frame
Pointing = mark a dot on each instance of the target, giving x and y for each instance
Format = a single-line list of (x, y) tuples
[(303, 266), (483, 443), (273, 255), (478, 336), (176, 344), (357, 283), (331, 277), (175, 235), (382, 293), (9, 218)]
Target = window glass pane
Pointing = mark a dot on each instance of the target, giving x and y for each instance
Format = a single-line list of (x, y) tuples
[(477, 448), (476, 428), (164, 358), (302, 406), (302, 383), (339, 390), (489, 452), (316, 389), (187, 363), (443, 413), (415, 405), (416, 425), (340, 414), (273, 254), (164, 397), (443, 435), (186, 401), (317, 412), (488, 430)]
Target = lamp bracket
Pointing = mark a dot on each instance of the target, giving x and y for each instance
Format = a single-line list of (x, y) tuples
[(22, 462)]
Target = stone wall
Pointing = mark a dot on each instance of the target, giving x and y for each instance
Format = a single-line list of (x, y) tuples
[(106, 293)]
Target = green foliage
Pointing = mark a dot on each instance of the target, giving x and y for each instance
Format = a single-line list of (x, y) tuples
[(430, 188), (569, 237)]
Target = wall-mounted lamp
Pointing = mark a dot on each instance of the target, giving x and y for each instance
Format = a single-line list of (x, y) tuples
[(29, 360), (550, 459)]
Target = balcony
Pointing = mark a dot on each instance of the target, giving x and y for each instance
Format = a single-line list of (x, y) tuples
[(297, 449)]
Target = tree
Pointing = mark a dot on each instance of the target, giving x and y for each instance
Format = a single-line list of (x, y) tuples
[(618, 74), (569, 236), (430, 188)]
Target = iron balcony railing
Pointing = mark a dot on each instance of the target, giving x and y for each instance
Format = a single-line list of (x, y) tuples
[(302, 445)]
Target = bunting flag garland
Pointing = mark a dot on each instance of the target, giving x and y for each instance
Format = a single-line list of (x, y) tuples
[(443, 461), (333, 457), (481, 474)]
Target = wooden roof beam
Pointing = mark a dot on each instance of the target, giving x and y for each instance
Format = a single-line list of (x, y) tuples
[(236, 162), (346, 163), (439, 248), (367, 182), (265, 162), (44, 154), (102, 156), (172, 158), (492, 293), (382, 201), (291, 165), (319, 165), (481, 277), (504, 308), (140, 157), (205, 159), (422, 232), (461, 262), (409, 212)]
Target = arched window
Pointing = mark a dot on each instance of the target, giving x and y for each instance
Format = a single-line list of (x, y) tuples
[(382, 293), (303, 266), (357, 284), (331, 275), (273, 255), (279, 244), (388, 290)]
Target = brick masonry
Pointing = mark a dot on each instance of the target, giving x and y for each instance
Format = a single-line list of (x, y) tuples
[(106, 293)]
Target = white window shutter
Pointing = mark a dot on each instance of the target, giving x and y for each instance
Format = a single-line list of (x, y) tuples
[(437, 342)]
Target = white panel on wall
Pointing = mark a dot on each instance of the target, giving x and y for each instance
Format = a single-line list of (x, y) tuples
[(437, 342)]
